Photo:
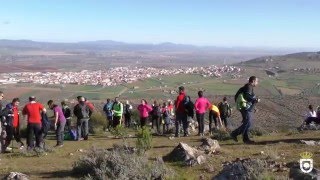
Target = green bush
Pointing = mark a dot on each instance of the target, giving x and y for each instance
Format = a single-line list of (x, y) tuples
[(144, 139), (119, 163), (257, 131), (98, 123), (119, 131), (221, 135)]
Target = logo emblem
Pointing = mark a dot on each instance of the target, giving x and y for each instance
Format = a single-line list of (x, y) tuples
[(306, 162)]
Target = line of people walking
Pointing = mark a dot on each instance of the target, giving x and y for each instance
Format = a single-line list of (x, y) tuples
[(178, 114)]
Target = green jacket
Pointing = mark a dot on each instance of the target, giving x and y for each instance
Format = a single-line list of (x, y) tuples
[(117, 109)]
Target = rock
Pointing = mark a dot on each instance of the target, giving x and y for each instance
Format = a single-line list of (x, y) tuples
[(295, 172), (209, 145), (17, 176), (201, 159), (242, 169), (310, 143), (80, 150), (71, 154), (171, 137), (184, 153)]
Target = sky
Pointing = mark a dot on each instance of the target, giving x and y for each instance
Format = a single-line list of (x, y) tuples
[(228, 23)]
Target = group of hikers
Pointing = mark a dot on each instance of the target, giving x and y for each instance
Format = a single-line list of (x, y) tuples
[(178, 114)]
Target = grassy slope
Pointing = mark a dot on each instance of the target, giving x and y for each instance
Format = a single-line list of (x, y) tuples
[(59, 163)]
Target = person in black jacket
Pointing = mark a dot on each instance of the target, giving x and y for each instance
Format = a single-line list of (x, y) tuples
[(67, 114), (3, 113), (249, 96), (83, 113)]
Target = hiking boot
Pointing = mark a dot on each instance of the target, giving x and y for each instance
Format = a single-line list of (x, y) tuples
[(234, 137), (58, 146), (8, 149), (249, 142)]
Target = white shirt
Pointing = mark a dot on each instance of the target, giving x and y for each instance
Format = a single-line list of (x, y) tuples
[(312, 114)]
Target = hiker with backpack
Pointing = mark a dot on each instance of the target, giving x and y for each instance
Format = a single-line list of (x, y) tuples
[(59, 122), (13, 124), (225, 111), (201, 105), (156, 116), (144, 110), (3, 113), (83, 113), (181, 113), (117, 110), (246, 101), (214, 115), (107, 108), (127, 114), (32, 111), (67, 114)]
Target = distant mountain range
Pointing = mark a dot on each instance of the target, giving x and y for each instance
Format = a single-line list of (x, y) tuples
[(110, 45)]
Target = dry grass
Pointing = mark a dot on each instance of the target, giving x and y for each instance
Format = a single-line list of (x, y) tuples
[(58, 164)]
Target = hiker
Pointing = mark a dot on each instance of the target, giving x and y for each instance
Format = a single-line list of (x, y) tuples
[(246, 100), (181, 113), (166, 118), (3, 113), (89, 104), (311, 116), (225, 111), (215, 115), (67, 114), (33, 111), (13, 124), (59, 122), (117, 110), (156, 116), (127, 114), (144, 110), (107, 108), (201, 105), (83, 113)]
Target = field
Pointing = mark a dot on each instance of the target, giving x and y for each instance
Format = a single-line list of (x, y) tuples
[(284, 147)]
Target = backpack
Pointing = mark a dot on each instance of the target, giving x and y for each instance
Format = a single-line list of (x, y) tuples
[(224, 109), (45, 124), (66, 112), (85, 113), (238, 93), (73, 134), (165, 113)]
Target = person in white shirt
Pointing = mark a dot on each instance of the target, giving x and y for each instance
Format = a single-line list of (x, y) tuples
[(311, 116)]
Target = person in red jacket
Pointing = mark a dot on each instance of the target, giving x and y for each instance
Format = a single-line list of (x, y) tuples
[(32, 110), (181, 113)]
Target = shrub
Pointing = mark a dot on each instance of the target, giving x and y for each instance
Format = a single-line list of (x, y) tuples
[(119, 131), (119, 163), (257, 131), (97, 122), (144, 139), (221, 135)]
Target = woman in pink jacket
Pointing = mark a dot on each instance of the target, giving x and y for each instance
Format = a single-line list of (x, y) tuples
[(201, 106), (144, 110)]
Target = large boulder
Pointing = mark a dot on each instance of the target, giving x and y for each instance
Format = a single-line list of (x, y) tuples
[(295, 172), (186, 154), (209, 146), (242, 169), (17, 176)]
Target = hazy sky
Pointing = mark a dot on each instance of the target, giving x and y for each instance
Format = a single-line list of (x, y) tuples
[(274, 23)]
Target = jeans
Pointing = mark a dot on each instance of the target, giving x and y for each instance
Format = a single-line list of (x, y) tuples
[(68, 124), (245, 126), (157, 121), (143, 121), (13, 132), (181, 118), (212, 117), (83, 128), (109, 120), (60, 132), (127, 120), (312, 119), (225, 121), (34, 129), (116, 121), (200, 119)]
